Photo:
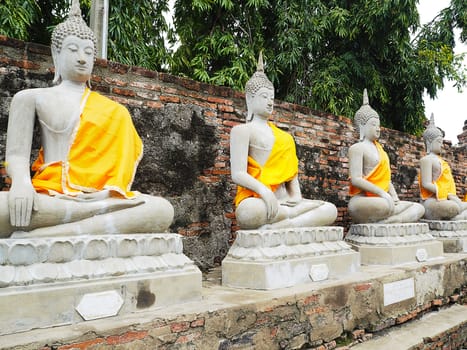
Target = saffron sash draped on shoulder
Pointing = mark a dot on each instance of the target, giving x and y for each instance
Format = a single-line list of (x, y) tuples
[(103, 154), (379, 176), (281, 166), (445, 184)]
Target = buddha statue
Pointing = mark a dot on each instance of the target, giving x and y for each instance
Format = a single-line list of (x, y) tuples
[(88, 157), (373, 197), (264, 165), (437, 187)]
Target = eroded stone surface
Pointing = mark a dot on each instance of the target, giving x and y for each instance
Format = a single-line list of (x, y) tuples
[(389, 234), (59, 259), (263, 245)]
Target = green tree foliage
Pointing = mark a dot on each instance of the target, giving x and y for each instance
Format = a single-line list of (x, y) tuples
[(318, 53), (136, 28), (323, 53), (136, 33), (16, 17)]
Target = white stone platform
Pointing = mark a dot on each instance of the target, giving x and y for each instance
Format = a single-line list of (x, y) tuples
[(271, 259), (393, 244), (453, 234), (54, 281)]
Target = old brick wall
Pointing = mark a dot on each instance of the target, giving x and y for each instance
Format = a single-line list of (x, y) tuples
[(185, 128)]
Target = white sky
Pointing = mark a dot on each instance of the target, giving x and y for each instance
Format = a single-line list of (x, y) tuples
[(448, 107)]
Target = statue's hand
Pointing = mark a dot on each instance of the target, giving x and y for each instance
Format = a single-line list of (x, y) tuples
[(390, 201), (272, 204), (292, 201), (21, 202)]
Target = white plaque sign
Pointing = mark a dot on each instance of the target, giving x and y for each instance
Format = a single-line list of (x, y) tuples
[(421, 254), (319, 272), (398, 291), (99, 305)]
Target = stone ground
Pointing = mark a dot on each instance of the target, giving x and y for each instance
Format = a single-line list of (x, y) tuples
[(309, 316)]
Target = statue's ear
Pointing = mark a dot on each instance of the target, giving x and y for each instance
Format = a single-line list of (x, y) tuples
[(57, 76), (360, 130)]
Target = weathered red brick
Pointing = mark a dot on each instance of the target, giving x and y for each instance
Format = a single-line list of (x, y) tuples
[(311, 299), (124, 92), (169, 99), (362, 287), (82, 345), (198, 322), (126, 338), (179, 327)]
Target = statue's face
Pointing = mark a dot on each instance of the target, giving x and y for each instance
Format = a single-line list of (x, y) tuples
[(262, 103), (436, 145), (371, 129), (76, 59)]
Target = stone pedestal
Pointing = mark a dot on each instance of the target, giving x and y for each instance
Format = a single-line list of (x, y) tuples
[(46, 282), (393, 244), (271, 259), (453, 234)]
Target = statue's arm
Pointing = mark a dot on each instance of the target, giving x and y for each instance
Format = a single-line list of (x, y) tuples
[(239, 146), (426, 175), (18, 152), (293, 191)]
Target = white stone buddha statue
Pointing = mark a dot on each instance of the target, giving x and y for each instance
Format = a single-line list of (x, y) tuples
[(264, 165), (437, 186), (373, 197), (89, 154)]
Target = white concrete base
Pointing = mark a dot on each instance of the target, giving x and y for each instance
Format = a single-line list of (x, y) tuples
[(287, 273), (453, 234), (395, 255), (394, 244), (94, 277), (272, 259)]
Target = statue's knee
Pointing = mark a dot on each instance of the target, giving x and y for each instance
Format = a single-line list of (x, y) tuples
[(251, 214)]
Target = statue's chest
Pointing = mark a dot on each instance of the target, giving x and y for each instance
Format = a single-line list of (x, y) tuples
[(262, 139), (59, 115)]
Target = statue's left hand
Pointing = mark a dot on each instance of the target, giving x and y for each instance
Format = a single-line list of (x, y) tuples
[(21, 202), (292, 201)]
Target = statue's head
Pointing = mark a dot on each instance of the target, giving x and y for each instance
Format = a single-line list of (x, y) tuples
[(367, 119), (259, 92), (433, 137), (75, 31)]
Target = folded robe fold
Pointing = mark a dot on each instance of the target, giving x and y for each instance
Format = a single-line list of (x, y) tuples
[(445, 184), (281, 166), (379, 176), (103, 154)]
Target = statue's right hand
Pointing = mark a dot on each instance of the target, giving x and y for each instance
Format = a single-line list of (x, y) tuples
[(272, 204), (21, 201)]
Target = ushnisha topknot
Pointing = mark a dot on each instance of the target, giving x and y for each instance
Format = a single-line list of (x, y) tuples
[(258, 79), (365, 112), (73, 25), (432, 131)]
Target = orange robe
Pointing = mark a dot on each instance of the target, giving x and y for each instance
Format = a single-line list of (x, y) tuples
[(103, 154), (281, 166), (445, 184), (379, 176)]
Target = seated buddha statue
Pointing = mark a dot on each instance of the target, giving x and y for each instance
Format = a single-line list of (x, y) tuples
[(88, 157), (437, 187), (264, 165), (373, 197)]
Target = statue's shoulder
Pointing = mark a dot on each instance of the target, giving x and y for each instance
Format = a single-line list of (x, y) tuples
[(430, 158), (357, 147), (107, 104), (28, 94)]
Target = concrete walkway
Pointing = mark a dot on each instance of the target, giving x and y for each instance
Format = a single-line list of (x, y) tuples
[(412, 333)]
